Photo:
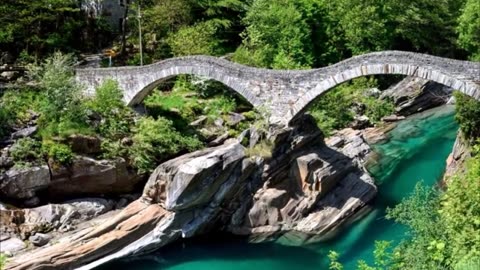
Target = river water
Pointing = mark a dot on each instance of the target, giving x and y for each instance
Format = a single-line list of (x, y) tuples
[(416, 151)]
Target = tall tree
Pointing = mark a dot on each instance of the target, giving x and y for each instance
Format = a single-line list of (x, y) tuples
[(469, 29), (277, 36), (39, 26)]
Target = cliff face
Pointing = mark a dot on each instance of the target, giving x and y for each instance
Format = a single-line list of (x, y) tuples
[(303, 192), (456, 160)]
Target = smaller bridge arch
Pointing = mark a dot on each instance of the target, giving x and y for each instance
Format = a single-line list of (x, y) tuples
[(287, 93)]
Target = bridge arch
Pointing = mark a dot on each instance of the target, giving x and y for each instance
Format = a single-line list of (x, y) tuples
[(139, 81), (362, 70)]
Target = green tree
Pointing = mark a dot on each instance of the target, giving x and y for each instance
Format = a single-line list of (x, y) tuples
[(156, 140), (364, 24), (62, 111), (276, 36), (467, 114), (415, 21), (469, 29), (40, 26), (197, 39)]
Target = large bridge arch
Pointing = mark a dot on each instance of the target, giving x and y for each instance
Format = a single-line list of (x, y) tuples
[(286, 93), (138, 81), (470, 88)]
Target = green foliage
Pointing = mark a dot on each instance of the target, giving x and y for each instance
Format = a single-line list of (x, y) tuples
[(174, 105), (58, 152), (218, 106), (382, 257), (419, 213), (196, 39), (334, 264), (363, 24), (376, 109), (331, 110), (443, 228), (460, 213), (467, 114), (157, 140), (262, 149), (40, 26), (62, 112), (3, 261), (16, 108), (117, 117), (469, 29), (277, 36), (26, 151)]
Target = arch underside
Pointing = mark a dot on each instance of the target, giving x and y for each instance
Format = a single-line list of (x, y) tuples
[(465, 86), (153, 81)]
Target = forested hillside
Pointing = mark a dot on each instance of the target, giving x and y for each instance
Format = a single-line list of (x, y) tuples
[(274, 34)]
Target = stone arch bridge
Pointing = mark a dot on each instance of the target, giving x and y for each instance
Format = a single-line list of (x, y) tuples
[(286, 93)]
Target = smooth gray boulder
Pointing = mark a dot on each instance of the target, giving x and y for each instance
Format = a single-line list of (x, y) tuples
[(12, 245), (88, 176), (23, 183), (191, 180), (39, 239)]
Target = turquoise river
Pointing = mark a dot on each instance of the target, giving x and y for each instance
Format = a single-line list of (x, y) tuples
[(417, 151)]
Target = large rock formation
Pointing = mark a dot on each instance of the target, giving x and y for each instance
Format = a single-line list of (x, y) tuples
[(53, 217), (306, 189), (86, 176), (413, 95), (456, 160), (309, 190)]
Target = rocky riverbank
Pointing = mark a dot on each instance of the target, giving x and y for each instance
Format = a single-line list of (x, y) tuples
[(305, 190), (300, 188)]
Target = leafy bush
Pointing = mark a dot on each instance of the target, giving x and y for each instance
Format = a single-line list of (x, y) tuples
[(26, 151), (62, 111), (3, 260), (467, 114), (58, 152), (332, 110), (157, 140), (16, 107), (117, 118), (196, 39), (218, 106), (377, 109)]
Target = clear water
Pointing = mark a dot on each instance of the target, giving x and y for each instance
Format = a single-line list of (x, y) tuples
[(416, 152)]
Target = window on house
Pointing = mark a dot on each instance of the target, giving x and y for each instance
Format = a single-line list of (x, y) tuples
[(121, 3)]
